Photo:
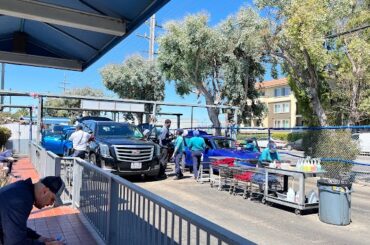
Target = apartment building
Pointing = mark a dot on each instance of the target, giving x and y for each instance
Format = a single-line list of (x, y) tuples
[(280, 103)]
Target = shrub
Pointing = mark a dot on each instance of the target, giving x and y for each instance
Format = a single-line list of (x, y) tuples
[(336, 145), (295, 136), (5, 134)]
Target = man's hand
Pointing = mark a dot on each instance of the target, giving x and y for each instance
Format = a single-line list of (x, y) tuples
[(50, 241), (45, 239), (55, 243)]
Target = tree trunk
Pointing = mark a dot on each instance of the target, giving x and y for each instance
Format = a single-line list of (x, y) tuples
[(354, 114), (317, 108), (212, 112), (313, 88), (213, 116)]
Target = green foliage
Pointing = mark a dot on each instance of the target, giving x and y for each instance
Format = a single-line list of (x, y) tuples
[(5, 134), (329, 77), (71, 103), (294, 136), (136, 78), (335, 144), (21, 113), (275, 135), (221, 63)]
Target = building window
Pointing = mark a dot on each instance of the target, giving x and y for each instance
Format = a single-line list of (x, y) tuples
[(277, 108), (284, 91), (281, 123), (281, 108)]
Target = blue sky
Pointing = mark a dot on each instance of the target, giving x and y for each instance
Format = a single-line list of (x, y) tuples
[(33, 79)]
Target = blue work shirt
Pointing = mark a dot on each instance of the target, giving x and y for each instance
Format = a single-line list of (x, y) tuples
[(179, 145), (251, 147), (15, 207), (267, 156), (197, 144)]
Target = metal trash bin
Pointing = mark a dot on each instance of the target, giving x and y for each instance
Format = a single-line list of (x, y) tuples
[(335, 201)]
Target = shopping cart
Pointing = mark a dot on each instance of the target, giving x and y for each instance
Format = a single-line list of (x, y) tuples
[(220, 172), (242, 179)]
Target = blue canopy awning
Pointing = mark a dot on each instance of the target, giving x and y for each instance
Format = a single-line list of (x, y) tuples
[(67, 34)]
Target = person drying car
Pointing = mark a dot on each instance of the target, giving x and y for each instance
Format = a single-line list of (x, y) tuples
[(80, 140), (269, 154)]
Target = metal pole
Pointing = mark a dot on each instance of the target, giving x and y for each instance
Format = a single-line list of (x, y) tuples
[(191, 118), (31, 123), (39, 119), (178, 121), (152, 37), (154, 114), (2, 82)]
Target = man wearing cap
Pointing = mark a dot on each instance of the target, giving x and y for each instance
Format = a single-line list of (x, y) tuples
[(196, 145), (177, 154), (17, 200), (79, 139), (269, 154)]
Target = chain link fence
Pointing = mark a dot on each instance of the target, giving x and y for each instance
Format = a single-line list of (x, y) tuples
[(344, 151)]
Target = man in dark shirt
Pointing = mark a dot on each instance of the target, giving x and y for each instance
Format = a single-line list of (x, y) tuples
[(17, 200), (166, 150)]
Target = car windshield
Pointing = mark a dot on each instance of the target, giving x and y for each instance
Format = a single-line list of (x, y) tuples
[(50, 133), (224, 143), (119, 130)]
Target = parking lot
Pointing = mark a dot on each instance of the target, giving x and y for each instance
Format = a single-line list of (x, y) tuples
[(260, 223)]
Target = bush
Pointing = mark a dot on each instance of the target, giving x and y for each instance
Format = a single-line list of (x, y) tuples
[(5, 134), (280, 135), (295, 136), (336, 145)]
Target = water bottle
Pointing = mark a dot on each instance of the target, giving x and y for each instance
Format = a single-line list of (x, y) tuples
[(319, 168)]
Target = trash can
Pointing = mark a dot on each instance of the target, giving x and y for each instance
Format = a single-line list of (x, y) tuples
[(334, 201)]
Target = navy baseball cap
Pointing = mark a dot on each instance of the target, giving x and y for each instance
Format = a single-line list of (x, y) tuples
[(55, 185)]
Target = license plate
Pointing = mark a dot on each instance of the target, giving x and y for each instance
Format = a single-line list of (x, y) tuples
[(136, 165)]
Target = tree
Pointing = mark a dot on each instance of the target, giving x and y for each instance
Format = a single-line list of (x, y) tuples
[(190, 54), (221, 63), (21, 113), (72, 103), (315, 65), (136, 78), (352, 63), (242, 62)]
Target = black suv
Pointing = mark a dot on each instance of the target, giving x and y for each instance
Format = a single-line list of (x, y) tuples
[(120, 146)]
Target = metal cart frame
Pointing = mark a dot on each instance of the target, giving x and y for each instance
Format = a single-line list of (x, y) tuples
[(301, 176)]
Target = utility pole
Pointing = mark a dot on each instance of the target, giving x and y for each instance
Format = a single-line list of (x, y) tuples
[(64, 84), (151, 38)]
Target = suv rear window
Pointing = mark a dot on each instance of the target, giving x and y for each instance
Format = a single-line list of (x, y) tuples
[(118, 130)]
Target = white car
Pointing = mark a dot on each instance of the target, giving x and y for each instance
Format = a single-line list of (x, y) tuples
[(262, 142), (363, 141)]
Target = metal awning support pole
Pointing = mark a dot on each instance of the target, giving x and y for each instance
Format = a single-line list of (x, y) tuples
[(31, 122), (178, 121), (39, 119), (191, 118), (154, 115), (2, 82)]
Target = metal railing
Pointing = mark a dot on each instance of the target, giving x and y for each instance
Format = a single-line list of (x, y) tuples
[(122, 212), (45, 162)]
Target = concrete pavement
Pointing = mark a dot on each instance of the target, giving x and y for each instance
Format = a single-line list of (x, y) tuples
[(264, 224)]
